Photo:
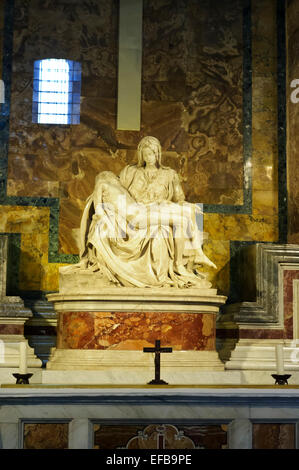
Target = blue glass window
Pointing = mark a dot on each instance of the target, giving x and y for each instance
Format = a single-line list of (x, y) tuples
[(56, 91)]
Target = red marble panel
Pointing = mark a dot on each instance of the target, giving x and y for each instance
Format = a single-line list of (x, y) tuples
[(11, 329), (76, 331), (288, 276), (261, 334), (234, 333), (135, 330)]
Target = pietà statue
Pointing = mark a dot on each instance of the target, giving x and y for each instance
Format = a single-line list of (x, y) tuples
[(137, 230)]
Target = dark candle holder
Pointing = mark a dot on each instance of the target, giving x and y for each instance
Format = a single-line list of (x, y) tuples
[(281, 379), (22, 379)]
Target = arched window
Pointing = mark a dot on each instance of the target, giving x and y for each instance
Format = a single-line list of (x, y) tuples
[(56, 91)]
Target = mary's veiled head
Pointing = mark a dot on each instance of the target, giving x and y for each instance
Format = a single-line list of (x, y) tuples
[(152, 143)]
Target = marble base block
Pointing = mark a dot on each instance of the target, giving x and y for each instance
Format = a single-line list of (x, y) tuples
[(11, 334), (10, 354), (133, 367), (260, 355)]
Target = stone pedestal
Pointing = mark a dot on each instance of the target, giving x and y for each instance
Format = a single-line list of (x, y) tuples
[(107, 331)]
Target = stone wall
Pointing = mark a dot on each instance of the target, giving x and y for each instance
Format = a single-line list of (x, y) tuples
[(292, 18)]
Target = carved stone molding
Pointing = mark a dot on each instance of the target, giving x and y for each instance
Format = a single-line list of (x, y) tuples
[(270, 259)]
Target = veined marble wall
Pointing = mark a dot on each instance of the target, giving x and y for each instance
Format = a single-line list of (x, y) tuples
[(292, 17), (217, 121)]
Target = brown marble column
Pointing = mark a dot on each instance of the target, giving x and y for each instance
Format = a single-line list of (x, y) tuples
[(292, 73)]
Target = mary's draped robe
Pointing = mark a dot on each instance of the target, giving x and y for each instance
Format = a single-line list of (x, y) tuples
[(129, 228)]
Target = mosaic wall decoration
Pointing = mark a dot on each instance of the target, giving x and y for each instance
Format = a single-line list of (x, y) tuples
[(274, 436), (209, 93), (160, 436), (45, 436)]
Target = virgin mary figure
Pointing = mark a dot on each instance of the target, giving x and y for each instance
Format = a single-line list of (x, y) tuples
[(138, 231)]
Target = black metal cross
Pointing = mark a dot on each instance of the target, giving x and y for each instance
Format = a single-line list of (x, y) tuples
[(157, 350)]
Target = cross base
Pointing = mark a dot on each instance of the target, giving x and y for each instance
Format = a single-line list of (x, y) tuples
[(157, 382)]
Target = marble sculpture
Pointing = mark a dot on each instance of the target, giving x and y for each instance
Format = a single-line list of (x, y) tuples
[(137, 230)]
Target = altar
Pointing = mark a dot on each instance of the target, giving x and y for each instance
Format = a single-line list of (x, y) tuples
[(153, 419)]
